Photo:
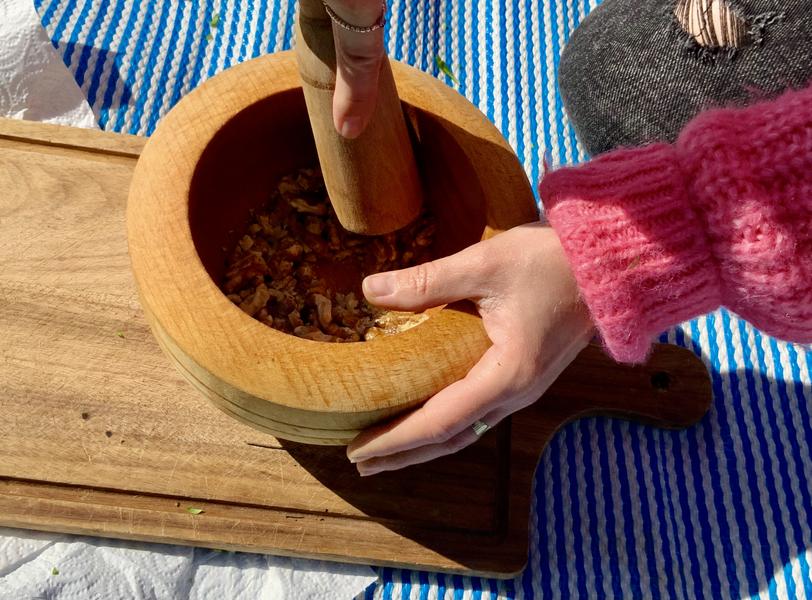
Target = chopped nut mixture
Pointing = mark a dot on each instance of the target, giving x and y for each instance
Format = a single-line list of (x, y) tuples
[(298, 270)]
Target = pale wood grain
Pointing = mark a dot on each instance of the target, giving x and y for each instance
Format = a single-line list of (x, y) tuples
[(46, 136), (100, 435)]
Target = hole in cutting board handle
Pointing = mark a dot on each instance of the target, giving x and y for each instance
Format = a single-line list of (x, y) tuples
[(661, 381)]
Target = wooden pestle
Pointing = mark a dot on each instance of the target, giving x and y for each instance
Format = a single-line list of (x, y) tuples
[(372, 180)]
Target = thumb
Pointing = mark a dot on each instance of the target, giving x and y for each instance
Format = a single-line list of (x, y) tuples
[(455, 277)]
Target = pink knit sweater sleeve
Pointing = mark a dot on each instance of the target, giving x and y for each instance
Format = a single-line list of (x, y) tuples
[(660, 234)]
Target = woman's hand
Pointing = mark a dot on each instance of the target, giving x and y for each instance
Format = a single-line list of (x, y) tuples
[(523, 288), (358, 57)]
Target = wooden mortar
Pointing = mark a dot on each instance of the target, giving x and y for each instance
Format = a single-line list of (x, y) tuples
[(218, 154)]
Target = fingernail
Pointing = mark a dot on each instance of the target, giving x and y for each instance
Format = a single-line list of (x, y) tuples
[(356, 456), (351, 127), (367, 471), (382, 284)]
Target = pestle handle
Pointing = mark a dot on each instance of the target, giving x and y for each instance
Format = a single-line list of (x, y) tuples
[(372, 180)]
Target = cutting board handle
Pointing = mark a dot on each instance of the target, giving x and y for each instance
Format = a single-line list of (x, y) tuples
[(672, 390)]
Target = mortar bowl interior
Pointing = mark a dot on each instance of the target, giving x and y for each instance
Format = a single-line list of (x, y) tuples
[(241, 165)]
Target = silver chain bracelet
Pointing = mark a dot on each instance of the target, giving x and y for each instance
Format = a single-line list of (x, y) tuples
[(355, 28)]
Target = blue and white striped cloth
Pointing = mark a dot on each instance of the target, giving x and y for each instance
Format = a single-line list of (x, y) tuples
[(723, 510)]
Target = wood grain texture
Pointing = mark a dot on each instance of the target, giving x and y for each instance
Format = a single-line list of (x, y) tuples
[(372, 180), (212, 159), (100, 435)]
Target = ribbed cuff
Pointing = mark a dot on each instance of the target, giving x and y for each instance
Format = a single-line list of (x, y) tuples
[(636, 246)]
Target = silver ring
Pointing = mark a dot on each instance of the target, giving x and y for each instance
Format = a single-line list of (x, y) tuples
[(479, 427), (355, 28)]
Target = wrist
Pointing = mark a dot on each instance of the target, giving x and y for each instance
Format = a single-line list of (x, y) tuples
[(636, 246)]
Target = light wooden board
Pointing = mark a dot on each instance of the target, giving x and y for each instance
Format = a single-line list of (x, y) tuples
[(100, 435)]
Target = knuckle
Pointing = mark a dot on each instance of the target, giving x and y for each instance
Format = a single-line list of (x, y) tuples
[(458, 443), (361, 62), (358, 99), (481, 262), (438, 433), (420, 279), (526, 374)]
